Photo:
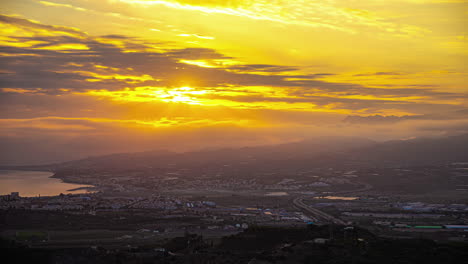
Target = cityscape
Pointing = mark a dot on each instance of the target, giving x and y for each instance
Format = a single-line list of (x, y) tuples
[(128, 209)]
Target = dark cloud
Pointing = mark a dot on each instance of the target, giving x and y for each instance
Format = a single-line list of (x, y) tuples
[(195, 54), (263, 68), (133, 63), (379, 119), (380, 74), (37, 26), (121, 37)]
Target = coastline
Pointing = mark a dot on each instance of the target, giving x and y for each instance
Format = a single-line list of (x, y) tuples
[(40, 182)]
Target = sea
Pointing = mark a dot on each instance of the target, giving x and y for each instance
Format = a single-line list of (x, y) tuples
[(36, 183)]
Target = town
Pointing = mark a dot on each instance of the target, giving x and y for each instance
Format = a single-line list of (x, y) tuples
[(134, 207)]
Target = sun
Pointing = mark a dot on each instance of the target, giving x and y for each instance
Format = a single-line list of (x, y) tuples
[(187, 95)]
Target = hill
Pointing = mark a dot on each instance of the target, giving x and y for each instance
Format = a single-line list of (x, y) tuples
[(311, 153)]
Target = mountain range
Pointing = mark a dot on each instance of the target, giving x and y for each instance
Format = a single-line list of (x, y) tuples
[(317, 152)]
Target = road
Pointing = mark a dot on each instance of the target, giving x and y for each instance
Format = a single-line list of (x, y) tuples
[(322, 216), (298, 202)]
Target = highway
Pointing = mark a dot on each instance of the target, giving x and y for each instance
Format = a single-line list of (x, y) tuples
[(322, 216), (317, 214)]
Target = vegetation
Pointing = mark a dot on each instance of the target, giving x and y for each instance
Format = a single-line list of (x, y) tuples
[(264, 245)]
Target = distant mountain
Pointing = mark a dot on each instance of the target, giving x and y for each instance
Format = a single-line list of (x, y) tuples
[(121, 160), (420, 151), (320, 152), (276, 154)]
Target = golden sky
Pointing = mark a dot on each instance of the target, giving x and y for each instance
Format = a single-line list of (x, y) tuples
[(215, 72)]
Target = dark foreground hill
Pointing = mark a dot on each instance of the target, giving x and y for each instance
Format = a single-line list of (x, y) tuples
[(260, 245)]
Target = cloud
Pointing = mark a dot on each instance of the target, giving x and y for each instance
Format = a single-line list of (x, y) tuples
[(61, 139), (53, 139), (38, 28), (315, 14), (379, 119), (121, 68), (227, 3), (380, 74), (112, 15), (53, 4), (79, 94)]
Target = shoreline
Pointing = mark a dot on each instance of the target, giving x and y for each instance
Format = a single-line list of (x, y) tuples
[(15, 179)]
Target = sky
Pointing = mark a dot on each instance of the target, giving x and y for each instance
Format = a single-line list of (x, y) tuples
[(91, 77)]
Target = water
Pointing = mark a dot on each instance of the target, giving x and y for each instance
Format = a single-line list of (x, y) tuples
[(35, 183)]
